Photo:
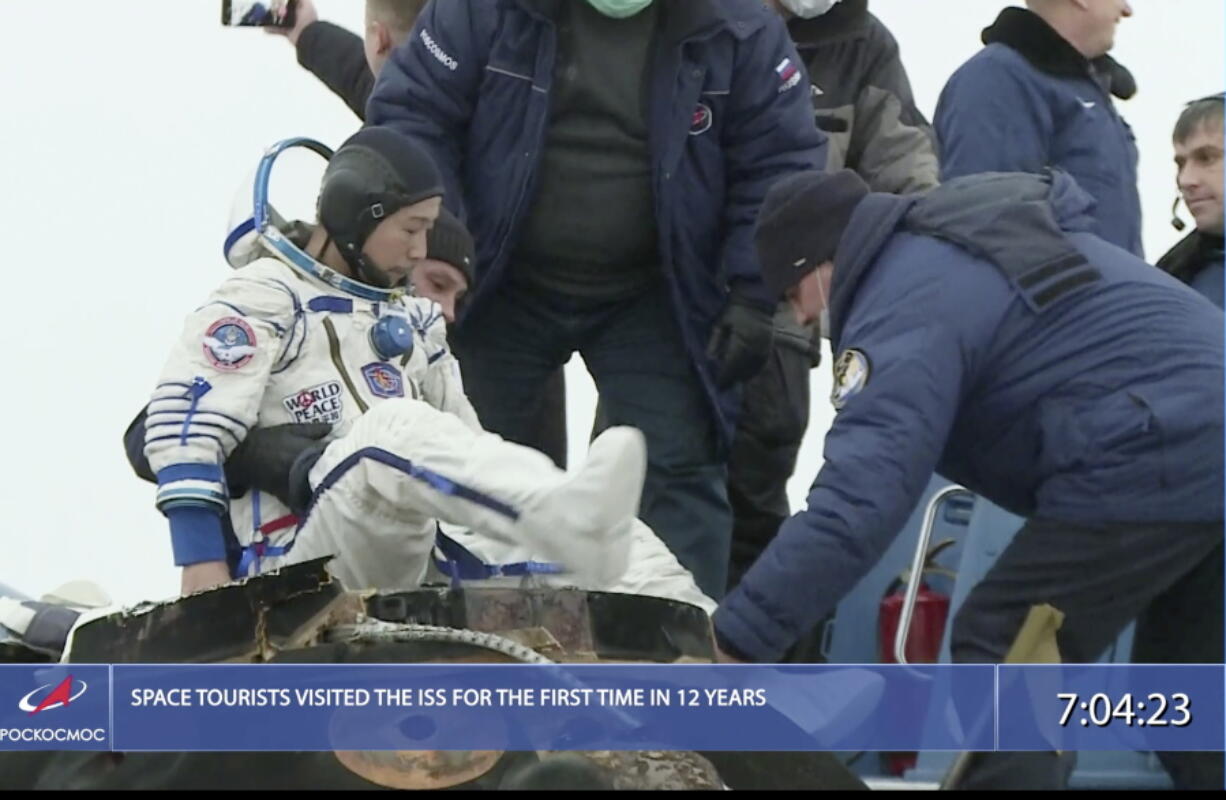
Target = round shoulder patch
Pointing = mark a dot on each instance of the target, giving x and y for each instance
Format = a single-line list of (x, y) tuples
[(229, 343), (700, 120), (851, 370)]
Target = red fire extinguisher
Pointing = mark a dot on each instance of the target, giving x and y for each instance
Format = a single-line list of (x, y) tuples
[(927, 629)]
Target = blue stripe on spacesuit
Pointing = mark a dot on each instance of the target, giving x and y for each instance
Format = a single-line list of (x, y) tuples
[(337, 305), (253, 554), (180, 437), (433, 479), (198, 424), (199, 413), (299, 319), (200, 387), (242, 313), (300, 260), (283, 287), (170, 498), (436, 356), (189, 472), (242, 230), (459, 563)]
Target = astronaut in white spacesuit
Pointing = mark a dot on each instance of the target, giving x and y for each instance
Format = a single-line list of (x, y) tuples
[(329, 335)]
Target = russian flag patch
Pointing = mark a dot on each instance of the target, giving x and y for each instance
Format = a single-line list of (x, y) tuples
[(789, 74)]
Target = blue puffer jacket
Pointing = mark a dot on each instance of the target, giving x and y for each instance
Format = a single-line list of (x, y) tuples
[(1029, 101), (1089, 390), (473, 83)]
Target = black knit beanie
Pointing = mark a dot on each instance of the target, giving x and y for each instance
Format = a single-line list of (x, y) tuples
[(800, 224), (450, 242)]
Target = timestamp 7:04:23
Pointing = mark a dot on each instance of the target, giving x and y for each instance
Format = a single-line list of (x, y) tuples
[(1101, 711)]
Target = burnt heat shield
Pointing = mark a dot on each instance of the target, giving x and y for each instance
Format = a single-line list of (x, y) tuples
[(566, 625)]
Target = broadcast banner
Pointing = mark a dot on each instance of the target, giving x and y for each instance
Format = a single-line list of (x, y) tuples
[(522, 707)]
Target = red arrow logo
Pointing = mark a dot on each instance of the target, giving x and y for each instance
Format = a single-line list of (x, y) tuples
[(61, 694)]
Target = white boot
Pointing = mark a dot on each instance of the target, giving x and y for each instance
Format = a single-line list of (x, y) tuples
[(585, 522)]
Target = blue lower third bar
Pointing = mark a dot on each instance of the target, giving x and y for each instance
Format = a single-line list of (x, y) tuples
[(547, 707), (1111, 707), (55, 707)]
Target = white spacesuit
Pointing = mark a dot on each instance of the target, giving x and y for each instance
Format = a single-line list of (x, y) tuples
[(283, 341)]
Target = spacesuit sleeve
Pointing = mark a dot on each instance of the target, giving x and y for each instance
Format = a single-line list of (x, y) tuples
[(207, 399), (899, 393), (443, 386)]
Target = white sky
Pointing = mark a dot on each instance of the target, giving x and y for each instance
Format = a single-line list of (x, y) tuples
[(127, 129)]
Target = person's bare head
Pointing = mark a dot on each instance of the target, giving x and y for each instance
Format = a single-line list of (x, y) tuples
[(388, 23), (1088, 25), (1198, 141)]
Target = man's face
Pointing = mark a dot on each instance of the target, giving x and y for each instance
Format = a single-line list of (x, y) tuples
[(808, 298), (439, 281), (399, 240), (376, 44), (1101, 19), (1199, 162)]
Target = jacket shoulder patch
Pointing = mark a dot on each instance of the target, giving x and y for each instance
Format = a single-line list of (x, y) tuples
[(851, 371)]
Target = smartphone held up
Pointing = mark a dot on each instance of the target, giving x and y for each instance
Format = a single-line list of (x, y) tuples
[(249, 14)]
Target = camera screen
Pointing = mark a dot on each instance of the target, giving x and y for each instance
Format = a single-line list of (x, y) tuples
[(252, 13)]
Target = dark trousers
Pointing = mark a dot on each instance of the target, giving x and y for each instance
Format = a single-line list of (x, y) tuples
[(774, 416), (634, 351), (1167, 577), (549, 428)]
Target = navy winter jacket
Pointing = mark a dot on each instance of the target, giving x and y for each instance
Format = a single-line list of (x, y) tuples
[(1030, 100), (729, 114), (1087, 388)]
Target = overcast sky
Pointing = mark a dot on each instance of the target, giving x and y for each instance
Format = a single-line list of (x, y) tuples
[(128, 128)]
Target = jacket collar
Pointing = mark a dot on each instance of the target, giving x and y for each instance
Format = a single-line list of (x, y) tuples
[(846, 20), (872, 224), (1193, 253), (1029, 34)]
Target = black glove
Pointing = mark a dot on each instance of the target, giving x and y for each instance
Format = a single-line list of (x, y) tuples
[(741, 341), (278, 460), (134, 448), (815, 349)]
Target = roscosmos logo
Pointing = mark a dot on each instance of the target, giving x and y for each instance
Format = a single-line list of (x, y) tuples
[(59, 697)]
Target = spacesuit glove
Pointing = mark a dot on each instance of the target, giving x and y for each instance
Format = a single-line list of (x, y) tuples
[(272, 460), (741, 341)]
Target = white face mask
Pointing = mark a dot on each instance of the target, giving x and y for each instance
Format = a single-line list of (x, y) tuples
[(808, 8), (823, 319)]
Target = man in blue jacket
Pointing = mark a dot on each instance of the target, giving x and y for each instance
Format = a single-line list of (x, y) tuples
[(983, 332), (1039, 95), (609, 157)]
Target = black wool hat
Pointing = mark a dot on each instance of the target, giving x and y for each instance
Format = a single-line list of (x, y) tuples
[(800, 224), (450, 242)]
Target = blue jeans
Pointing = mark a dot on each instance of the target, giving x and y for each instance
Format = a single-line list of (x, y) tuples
[(634, 352)]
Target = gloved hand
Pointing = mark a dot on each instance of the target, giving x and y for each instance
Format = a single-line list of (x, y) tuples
[(815, 349), (278, 460), (741, 341)]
